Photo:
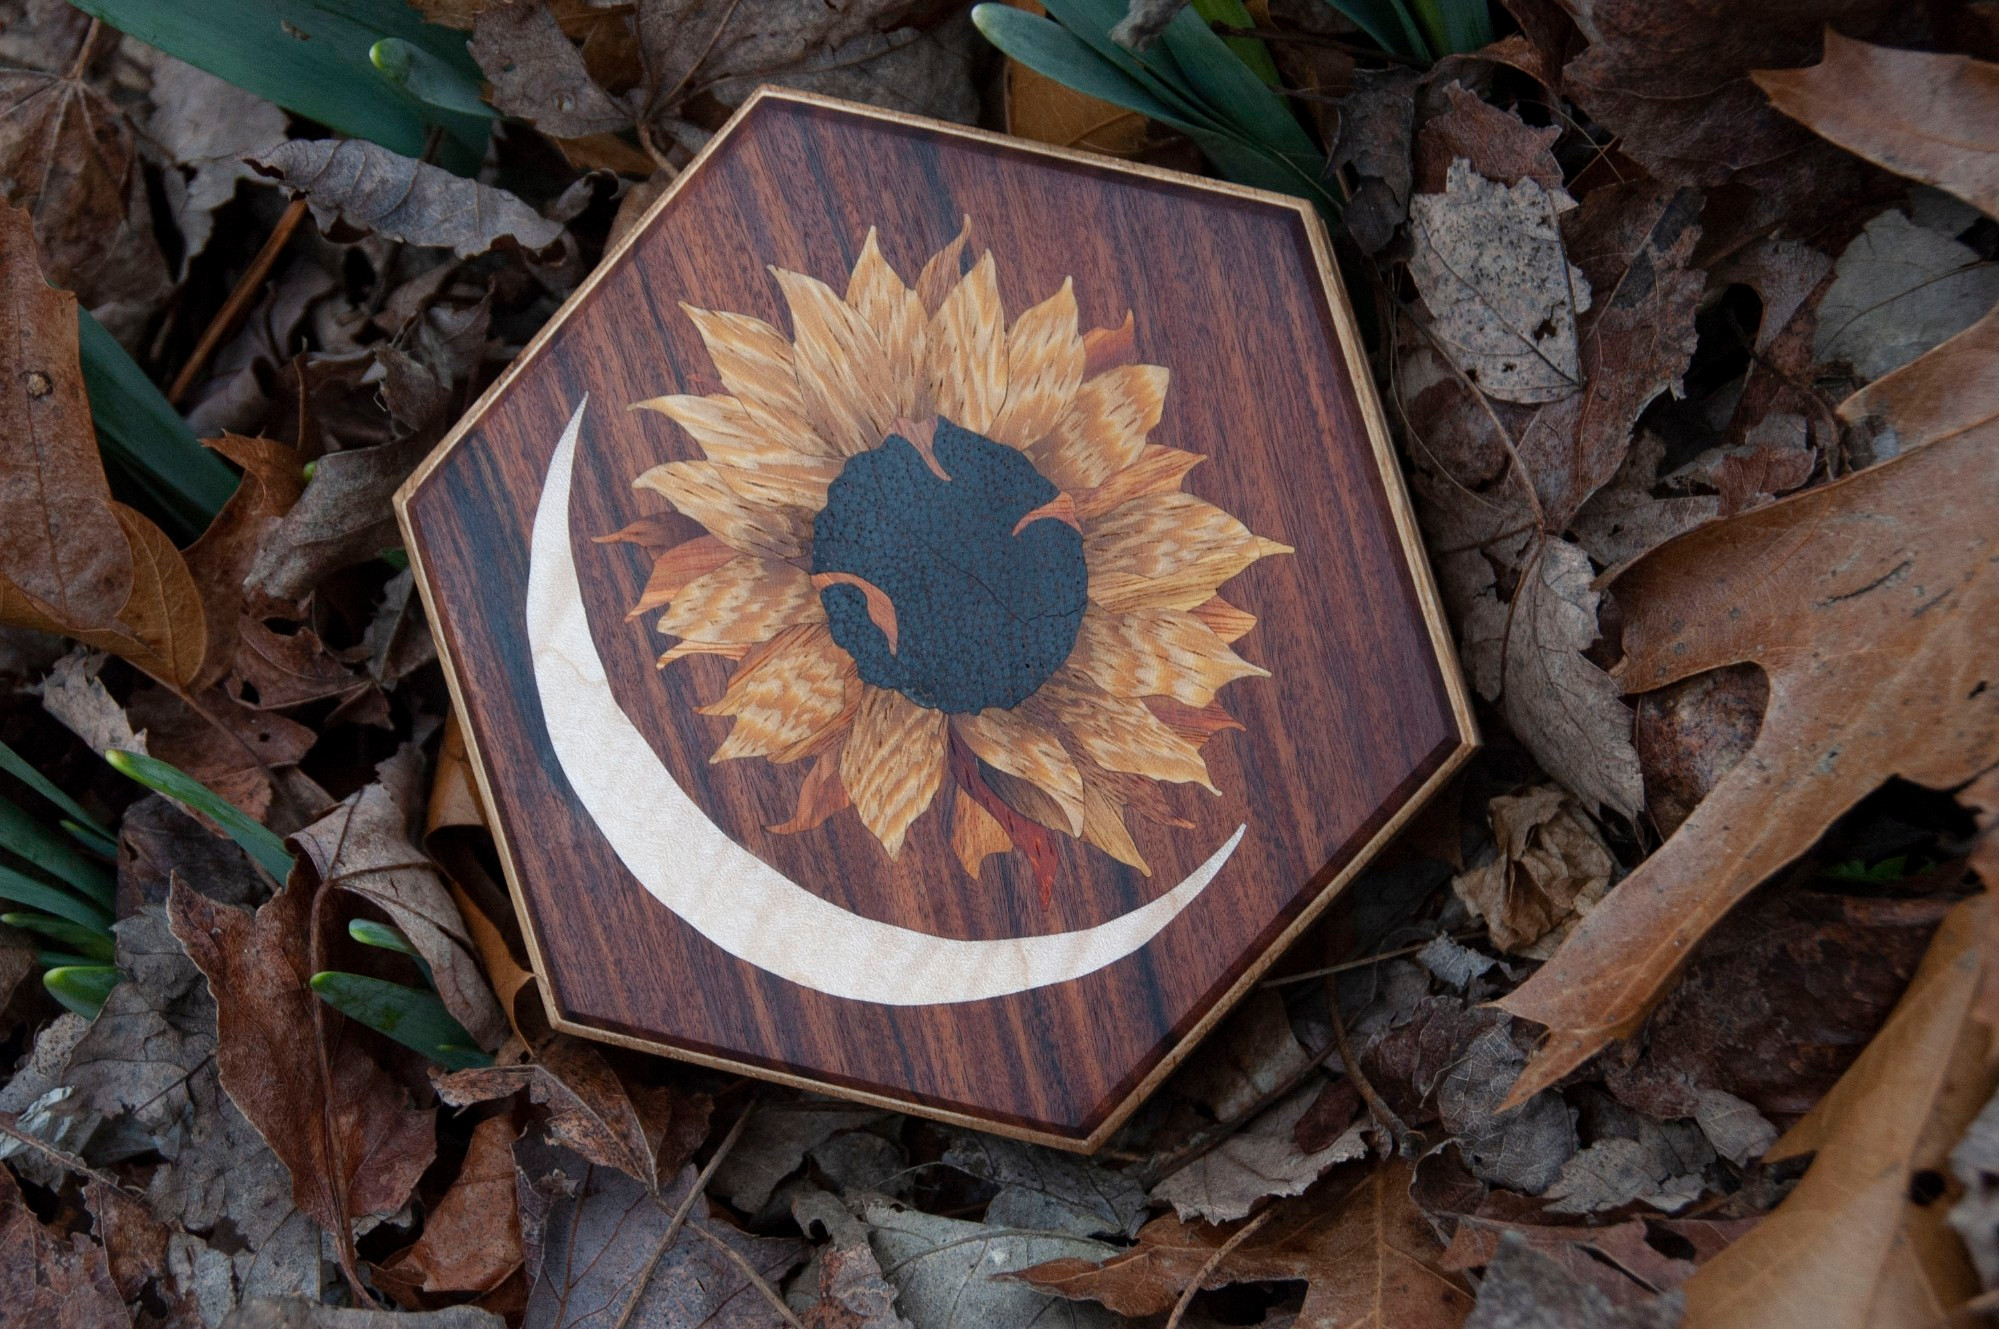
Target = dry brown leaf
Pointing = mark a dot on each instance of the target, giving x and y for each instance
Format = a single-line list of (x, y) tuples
[(363, 847), (1526, 1289), (1849, 1245), (1039, 108), (1948, 392), (1499, 144), (1872, 603), (472, 1240), (370, 188), (1551, 867), (70, 157), (347, 1132), (1260, 1160), (220, 560), (646, 1132), (538, 74), (48, 1279), (1368, 1255), (1933, 118), (341, 519)]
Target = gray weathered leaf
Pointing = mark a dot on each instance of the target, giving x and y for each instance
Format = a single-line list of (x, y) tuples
[(206, 127), (1502, 295), (1522, 1150), (1898, 290), (369, 188), (774, 1146), (1041, 1188), (945, 1272), (1260, 1160), (538, 74)]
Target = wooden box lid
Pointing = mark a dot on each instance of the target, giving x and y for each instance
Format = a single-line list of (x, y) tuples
[(934, 615)]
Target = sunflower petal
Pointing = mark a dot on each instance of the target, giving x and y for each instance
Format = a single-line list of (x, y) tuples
[(751, 461), (727, 650), (975, 833), (787, 695), (745, 600), (1008, 741), (819, 797), (1104, 429), (1157, 471), (968, 350), (843, 377), (1225, 620), (1044, 367), (654, 531), (1156, 653), (893, 763), (1122, 735), (901, 324), (754, 362), (1107, 348), (1167, 551), (678, 566), (699, 490), (942, 271), (1196, 724), (1104, 827)]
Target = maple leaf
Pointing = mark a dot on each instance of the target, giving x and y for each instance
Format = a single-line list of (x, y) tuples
[(1873, 605)]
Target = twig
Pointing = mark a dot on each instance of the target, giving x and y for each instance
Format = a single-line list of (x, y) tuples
[(1407, 1142), (86, 51), (749, 1271), (239, 301), (666, 1241), (1222, 1252), (1366, 961), (9, 1127)]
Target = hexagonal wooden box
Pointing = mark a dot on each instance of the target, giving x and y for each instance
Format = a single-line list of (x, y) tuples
[(933, 617)]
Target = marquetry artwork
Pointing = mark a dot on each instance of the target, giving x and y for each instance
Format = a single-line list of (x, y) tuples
[(934, 616)]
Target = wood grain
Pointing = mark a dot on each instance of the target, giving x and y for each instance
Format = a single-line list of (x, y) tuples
[(1360, 711)]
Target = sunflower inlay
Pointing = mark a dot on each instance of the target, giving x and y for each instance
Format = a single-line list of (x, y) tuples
[(948, 565)]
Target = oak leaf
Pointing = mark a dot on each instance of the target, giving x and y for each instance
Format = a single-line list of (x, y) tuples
[(472, 1239), (1933, 118), (1368, 1256), (1851, 1246), (1873, 605)]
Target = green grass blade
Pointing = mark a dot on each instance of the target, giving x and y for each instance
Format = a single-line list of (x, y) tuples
[(1250, 50), (82, 987), (93, 943), (54, 853), (414, 1018), (20, 888), (1390, 23), (370, 933), (89, 839), (1091, 21), (147, 438), (432, 81), (17, 766), (262, 844), (1454, 26), (312, 57), (1226, 83), (1048, 48)]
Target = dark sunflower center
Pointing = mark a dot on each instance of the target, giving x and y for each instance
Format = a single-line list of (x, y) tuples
[(982, 608)]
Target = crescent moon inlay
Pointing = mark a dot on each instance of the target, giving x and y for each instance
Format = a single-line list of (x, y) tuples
[(721, 889)]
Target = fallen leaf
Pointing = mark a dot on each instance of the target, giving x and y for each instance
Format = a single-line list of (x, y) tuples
[(1377, 122), (1869, 604), (1550, 868), (602, 1251), (1626, 517), (1040, 108), (344, 1129), (1497, 144), (1826, 1257), (1946, 393), (236, 751), (1691, 733), (1524, 1289), (774, 1146), (1529, 654), (1250, 1056), (1661, 1168), (950, 1274), (71, 158), (341, 519), (205, 127), (1618, 1260), (852, 1293), (643, 1131), (538, 74), (1900, 289), (472, 1239), (73, 694), (1933, 118), (1259, 1161), (1367, 1255), (50, 1279), (363, 847), (1524, 1147), (368, 188), (221, 559), (1041, 1188), (297, 1313), (1502, 295)]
